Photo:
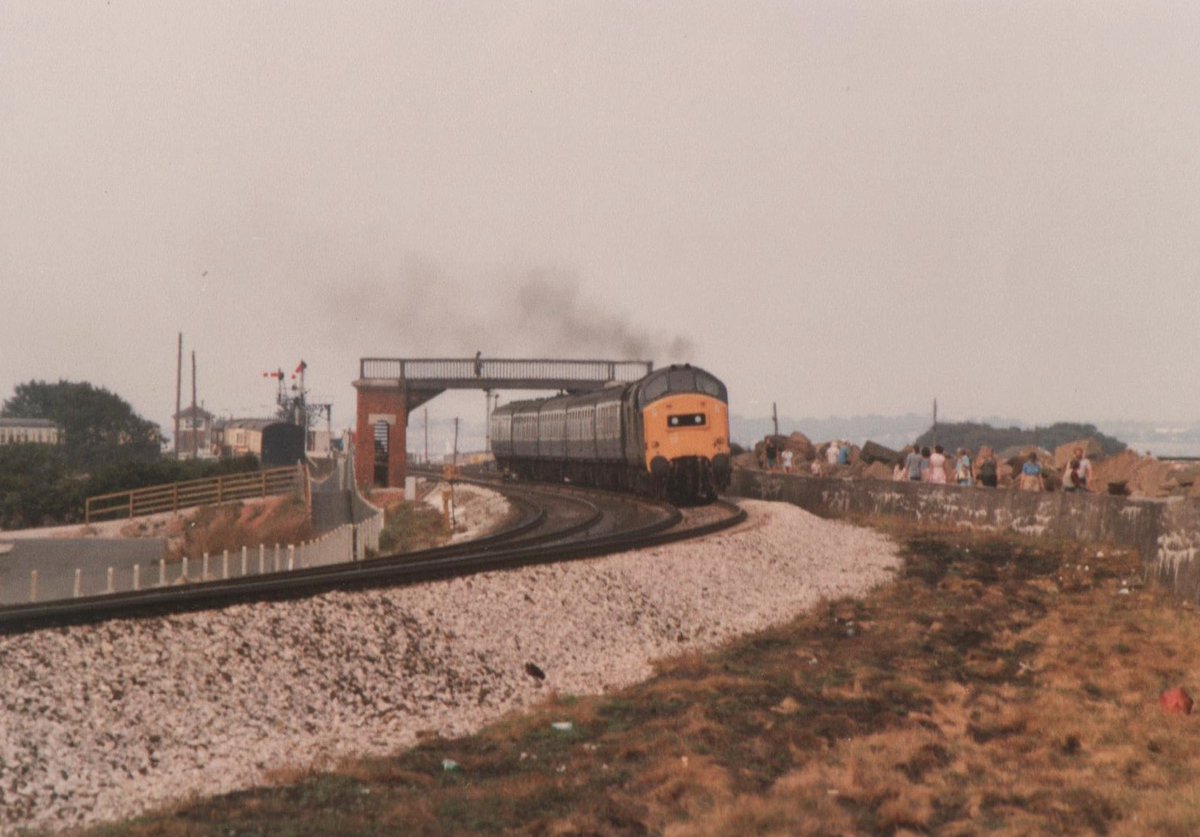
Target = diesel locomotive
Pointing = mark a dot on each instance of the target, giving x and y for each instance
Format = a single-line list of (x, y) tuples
[(666, 435)]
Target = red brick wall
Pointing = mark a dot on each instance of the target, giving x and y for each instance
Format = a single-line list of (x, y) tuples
[(380, 400)]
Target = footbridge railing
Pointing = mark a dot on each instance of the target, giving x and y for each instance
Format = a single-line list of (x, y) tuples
[(503, 372), (178, 495)]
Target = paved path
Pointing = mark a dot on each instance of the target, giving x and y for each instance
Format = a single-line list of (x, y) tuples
[(56, 560), (332, 505)]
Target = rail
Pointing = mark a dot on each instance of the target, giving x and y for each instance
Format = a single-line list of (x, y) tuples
[(175, 496), (262, 574), (501, 369)]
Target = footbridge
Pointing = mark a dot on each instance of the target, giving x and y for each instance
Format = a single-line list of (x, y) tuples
[(391, 388)]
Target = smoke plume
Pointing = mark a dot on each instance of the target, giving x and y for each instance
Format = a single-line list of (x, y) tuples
[(537, 312)]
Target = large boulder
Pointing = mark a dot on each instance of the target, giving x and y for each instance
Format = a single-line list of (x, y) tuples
[(1151, 478), (1016, 457), (745, 460), (872, 452), (800, 446), (1137, 476), (1186, 476), (878, 471), (1118, 469)]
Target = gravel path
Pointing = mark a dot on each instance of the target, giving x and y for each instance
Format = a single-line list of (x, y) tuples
[(105, 721)]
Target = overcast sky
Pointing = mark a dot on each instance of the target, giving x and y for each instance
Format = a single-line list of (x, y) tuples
[(843, 207)]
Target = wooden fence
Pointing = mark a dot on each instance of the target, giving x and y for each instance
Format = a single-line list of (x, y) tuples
[(178, 495)]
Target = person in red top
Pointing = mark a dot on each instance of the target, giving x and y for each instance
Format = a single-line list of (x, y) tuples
[(1071, 479)]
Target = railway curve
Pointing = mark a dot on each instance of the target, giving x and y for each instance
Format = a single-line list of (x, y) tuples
[(554, 523)]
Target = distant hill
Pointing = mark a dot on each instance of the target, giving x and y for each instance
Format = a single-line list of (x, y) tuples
[(972, 435), (891, 431), (998, 431)]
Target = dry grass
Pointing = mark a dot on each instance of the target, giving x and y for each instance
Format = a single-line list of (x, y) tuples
[(212, 529), (999, 686), (410, 526)]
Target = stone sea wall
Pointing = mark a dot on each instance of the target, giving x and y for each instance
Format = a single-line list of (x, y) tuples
[(1166, 533)]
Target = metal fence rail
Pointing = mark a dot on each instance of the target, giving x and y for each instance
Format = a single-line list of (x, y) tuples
[(437, 369), (178, 495)]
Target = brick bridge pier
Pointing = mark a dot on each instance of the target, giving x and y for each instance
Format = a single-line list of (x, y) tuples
[(391, 388)]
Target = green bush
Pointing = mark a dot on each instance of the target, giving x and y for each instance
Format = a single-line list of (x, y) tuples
[(36, 488), (412, 526)]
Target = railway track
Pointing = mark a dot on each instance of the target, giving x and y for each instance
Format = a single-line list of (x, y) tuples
[(553, 523)]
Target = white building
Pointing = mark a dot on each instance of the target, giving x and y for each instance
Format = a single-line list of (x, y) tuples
[(15, 431)]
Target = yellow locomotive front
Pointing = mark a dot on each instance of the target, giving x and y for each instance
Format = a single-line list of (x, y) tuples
[(684, 421)]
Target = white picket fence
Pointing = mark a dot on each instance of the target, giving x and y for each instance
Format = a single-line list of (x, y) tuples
[(342, 545)]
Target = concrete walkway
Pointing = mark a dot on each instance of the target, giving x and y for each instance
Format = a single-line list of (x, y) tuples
[(56, 560)]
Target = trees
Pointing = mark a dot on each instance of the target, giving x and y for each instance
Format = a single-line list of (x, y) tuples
[(36, 488), (973, 435), (107, 448), (132, 474), (100, 427)]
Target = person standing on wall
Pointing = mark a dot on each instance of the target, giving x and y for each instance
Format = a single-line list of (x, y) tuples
[(912, 464), (1031, 474), (962, 468), (987, 470), (937, 466), (1070, 478), (1085, 469), (772, 452)]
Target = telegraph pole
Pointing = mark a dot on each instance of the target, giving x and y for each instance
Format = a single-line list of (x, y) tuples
[(178, 390), (195, 441), (775, 417), (487, 421)]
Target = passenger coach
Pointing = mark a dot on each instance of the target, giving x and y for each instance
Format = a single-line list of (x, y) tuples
[(666, 434)]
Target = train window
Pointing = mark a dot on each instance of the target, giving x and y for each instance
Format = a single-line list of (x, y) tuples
[(710, 386), (687, 420), (682, 380), (655, 389)]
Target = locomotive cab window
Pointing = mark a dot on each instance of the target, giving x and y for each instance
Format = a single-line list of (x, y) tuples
[(711, 386), (680, 380), (687, 420), (654, 389)]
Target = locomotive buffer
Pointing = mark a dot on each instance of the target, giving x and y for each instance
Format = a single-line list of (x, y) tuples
[(391, 388)]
